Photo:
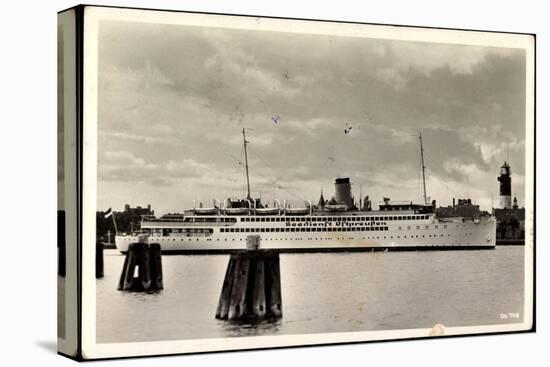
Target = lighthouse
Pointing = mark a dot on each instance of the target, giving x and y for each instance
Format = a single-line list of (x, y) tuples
[(505, 180)]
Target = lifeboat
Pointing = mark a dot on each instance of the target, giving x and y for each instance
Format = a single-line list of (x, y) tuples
[(336, 207), (206, 211), (297, 211), (267, 211), (236, 211)]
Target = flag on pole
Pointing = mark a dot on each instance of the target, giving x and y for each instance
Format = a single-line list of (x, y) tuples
[(108, 213)]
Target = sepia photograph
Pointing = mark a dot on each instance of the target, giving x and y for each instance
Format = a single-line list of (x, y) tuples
[(264, 182)]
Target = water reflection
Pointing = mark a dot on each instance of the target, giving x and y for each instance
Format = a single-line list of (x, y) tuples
[(250, 327)]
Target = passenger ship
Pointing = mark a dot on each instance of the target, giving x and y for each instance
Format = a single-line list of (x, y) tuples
[(337, 224)]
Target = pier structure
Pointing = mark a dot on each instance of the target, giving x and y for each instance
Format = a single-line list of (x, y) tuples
[(99, 260), (146, 258), (251, 288)]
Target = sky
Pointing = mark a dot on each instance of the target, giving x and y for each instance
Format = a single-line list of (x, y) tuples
[(173, 101)]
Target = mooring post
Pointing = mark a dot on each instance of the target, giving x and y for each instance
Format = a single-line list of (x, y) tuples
[(274, 281), (258, 291), (223, 305), (251, 288), (144, 268), (99, 260), (237, 303), (155, 257), (130, 268), (148, 260), (122, 278)]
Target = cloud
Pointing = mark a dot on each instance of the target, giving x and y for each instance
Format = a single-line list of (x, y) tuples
[(173, 101), (142, 139), (124, 166)]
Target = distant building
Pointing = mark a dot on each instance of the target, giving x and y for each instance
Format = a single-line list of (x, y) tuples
[(389, 205), (464, 208), (127, 221), (510, 217), (130, 219), (505, 180), (138, 211), (510, 222)]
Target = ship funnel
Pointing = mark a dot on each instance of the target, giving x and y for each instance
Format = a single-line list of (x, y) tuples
[(342, 188)]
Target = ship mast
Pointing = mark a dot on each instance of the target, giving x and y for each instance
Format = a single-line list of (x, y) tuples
[(423, 169), (246, 166)]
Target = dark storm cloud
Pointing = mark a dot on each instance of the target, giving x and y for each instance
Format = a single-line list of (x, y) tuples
[(182, 94)]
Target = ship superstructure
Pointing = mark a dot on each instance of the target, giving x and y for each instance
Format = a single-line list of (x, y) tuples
[(336, 224)]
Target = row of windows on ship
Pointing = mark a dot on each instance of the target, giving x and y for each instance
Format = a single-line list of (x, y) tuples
[(197, 231), (297, 219), (320, 229), (333, 219), (304, 229)]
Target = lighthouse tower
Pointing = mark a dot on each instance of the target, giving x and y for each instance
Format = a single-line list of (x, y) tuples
[(505, 180)]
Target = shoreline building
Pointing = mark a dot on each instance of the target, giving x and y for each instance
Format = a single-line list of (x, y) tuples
[(505, 180), (127, 221), (130, 219), (510, 217), (464, 208)]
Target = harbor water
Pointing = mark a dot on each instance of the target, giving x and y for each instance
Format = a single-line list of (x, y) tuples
[(322, 292)]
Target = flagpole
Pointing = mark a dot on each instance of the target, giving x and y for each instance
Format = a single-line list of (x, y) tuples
[(114, 222)]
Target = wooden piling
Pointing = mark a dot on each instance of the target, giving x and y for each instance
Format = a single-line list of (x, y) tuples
[(155, 255), (275, 304), (223, 305), (237, 303), (148, 260), (144, 268), (122, 278), (251, 288), (130, 268), (258, 291), (99, 260)]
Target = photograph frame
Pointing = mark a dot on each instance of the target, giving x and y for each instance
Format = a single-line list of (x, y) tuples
[(90, 348)]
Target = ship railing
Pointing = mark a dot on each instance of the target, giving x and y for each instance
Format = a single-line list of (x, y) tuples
[(250, 205), (218, 205), (457, 219), (278, 206), (132, 233)]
